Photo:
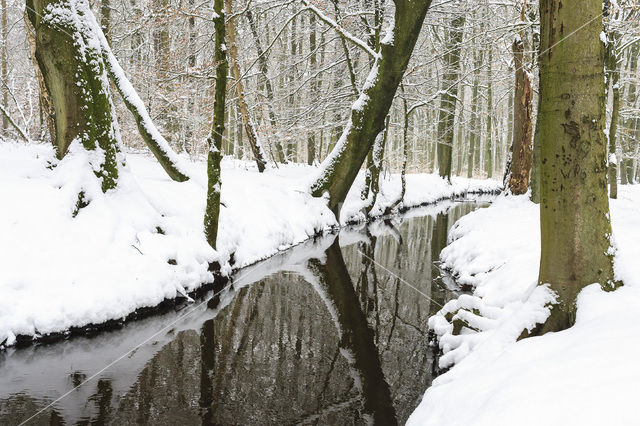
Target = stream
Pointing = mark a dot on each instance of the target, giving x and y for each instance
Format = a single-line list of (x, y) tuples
[(333, 331)]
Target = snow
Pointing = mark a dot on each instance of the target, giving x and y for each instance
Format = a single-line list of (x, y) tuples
[(143, 242), (585, 375)]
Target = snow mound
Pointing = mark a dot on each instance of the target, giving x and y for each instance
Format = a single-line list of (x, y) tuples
[(143, 242), (585, 375)]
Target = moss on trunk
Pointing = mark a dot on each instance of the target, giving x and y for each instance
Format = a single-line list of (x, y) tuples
[(74, 78), (212, 209)]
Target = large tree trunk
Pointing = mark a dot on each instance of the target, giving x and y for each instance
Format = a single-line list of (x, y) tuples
[(341, 167), (252, 135), (212, 210), (449, 96), (574, 209), (73, 74), (522, 153)]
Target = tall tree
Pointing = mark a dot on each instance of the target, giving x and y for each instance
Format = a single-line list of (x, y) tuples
[(252, 134), (488, 153), (574, 210), (212, 209), (449, 96), (341, 167), (4, 66), (473, 137), (522, 151)]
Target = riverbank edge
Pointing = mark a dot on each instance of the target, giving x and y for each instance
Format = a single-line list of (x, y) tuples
[(220, 281)]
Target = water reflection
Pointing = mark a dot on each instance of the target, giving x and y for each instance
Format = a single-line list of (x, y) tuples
[(322, 335)]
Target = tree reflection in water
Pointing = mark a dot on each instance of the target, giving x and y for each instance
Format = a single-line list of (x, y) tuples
[(329, 336)]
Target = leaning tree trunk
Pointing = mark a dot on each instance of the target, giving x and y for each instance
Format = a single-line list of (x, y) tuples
[(252, 135), (341, 167), (522, 153), (449, 96), (574, 209), (68, 56), (212, 210)]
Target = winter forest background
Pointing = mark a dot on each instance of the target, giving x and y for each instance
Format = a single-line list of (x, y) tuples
[(301, 77)]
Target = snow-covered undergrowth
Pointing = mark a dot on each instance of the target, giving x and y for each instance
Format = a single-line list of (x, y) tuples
[(143, 242), (586, 375)]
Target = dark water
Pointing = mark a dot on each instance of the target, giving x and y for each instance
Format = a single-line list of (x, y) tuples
[(318, 335)]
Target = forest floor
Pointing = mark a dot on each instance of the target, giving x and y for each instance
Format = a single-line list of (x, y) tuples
[(143, 243), (586, 375)]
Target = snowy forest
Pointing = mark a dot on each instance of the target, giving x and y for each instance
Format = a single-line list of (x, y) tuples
[(319, 212)]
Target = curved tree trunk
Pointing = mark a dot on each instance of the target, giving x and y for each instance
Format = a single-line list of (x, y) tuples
[(73, 75), (574, 208), (341, 167)]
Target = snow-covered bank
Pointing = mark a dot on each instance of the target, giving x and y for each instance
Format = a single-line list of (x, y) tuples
[(586, 375), (143, 243)]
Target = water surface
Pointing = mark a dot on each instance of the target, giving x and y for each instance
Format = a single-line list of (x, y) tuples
[(333, 331)]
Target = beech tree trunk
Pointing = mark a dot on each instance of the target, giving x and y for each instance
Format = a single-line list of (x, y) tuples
[(449, 96), (574, 208), (212, 210), (74, 78), (341, 167), (522, 152)]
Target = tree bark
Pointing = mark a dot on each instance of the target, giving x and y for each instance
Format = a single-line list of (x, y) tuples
[(473, 136), (341, 167), (252, 135), (212, 209), (4, 58), (574, 210), (522, 153), (488, 156), (72, 69), (262, 66), (613, 77), (449, 96)]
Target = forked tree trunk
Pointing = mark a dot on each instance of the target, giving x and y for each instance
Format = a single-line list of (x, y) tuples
[(341, 167), (68, 55), (449, 96), (252, 135), (522, 152), (212, 209), (574, 208)]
